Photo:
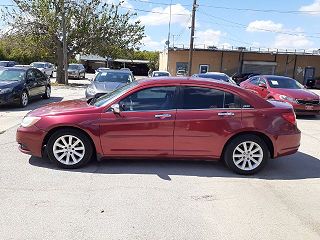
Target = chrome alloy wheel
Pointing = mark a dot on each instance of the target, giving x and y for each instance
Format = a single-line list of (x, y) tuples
[(68, 149), (247, 155), (24, 99), (48, 92)]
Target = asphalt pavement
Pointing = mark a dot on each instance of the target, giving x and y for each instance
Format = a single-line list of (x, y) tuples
[(149, 199)]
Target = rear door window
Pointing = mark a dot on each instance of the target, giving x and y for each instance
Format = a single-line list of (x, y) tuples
[(208, 98)]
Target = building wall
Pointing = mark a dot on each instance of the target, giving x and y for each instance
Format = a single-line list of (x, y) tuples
[(230, 62)]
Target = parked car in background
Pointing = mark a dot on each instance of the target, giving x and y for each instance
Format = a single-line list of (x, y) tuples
[(160, 74), (284, 89), (240, 77), (107, 81), (164, 119), (19, 84), (125, 69), (45, 67), (7, 63), (215, 76), (181, 73), (100, 69), (76, 71)]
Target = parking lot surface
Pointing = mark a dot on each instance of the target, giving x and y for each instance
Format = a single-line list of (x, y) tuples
[(146, 199)]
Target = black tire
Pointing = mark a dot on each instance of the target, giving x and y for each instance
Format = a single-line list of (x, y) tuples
[(47, 93), (237, 141), (24, 99), (88, 148), (84, 75)]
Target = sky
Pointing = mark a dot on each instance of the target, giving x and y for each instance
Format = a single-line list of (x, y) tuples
[(286, 24)]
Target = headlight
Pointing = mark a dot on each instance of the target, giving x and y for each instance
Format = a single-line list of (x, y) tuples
[(286, 98), (6, 90), (91, 90), (29, 121)]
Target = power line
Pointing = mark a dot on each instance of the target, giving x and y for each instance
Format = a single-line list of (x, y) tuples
[(237, 9), (261, 29), (151, 11)]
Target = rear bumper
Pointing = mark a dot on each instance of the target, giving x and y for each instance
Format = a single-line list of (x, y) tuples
[(30, 140), (287, 144)]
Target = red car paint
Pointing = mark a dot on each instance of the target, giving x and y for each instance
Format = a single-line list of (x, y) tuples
[(305, 101), (182, 133)]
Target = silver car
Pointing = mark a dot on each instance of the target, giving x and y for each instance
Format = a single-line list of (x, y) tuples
[(107, 81), (45, 67), (76, 71)]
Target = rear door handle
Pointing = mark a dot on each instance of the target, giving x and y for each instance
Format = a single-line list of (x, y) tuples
[(162, 116), (225, 114)]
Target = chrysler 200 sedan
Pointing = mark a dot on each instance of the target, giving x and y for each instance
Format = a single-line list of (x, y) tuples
[(176, 118)]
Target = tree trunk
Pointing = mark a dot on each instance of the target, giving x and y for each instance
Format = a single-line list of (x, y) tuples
[(60, 71)]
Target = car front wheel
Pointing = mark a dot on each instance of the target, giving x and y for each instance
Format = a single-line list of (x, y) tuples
[(69, 148), (24, 99), (246, 154)]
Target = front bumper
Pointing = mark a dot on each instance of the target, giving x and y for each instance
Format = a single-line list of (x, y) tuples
[(305, 109), (8, 98), (73, 74), (30, 140)]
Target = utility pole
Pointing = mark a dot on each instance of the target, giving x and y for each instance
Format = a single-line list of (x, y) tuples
[(169, 32), (194, 7), (64, 44)]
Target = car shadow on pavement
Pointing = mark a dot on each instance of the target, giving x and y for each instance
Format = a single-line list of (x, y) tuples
[(308, 117), (33, 104), (294, 167)]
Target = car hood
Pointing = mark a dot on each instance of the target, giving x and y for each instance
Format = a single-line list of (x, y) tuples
[(107, 86), (64, 108), (297, 93), (9, 84)]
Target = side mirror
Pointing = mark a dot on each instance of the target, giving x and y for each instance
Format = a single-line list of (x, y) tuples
[(115, 108), (262, 85)]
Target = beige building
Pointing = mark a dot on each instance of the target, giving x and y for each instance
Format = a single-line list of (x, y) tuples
[(298, 65)]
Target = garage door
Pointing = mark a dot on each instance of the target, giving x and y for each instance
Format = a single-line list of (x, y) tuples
[(259, 67)]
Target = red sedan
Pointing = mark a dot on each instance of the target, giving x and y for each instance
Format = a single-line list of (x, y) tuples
[(284, 89), (164, 118)]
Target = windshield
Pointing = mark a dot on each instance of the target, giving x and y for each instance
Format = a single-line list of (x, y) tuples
[(288, 83), (11, 74), (38, 65), (161, 74), (109, 97), (215, 77), (74, 67), (122, 77)]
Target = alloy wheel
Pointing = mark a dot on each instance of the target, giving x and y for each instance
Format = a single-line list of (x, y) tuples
[(24, 99), (247, 155), (68, 149)]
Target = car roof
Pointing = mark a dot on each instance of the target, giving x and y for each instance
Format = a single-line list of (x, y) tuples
[(116, 70), (18, 68), (207, 82), (214, 73), (274, 76)]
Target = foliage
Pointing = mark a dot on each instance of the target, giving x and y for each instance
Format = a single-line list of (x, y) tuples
[(92, 26)]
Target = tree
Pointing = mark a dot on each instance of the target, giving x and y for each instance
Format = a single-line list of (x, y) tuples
[(93, 27)]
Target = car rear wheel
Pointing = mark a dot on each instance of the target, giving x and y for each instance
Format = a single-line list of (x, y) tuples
[(24, 99), (69, 148), (47, 93), (246, 154)]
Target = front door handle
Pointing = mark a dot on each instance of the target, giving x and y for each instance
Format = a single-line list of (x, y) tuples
[(225, 114), (162, 116)]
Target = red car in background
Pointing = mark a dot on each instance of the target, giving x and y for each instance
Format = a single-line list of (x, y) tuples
[(284, 89), (176, 118)]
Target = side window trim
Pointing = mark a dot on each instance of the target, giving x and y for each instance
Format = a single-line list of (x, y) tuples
[(174, 105), (180, 100)]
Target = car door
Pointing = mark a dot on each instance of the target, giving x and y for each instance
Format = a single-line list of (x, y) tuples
[(144, 126), (31, 82), (252, 85), (205, 118), (41, 79)]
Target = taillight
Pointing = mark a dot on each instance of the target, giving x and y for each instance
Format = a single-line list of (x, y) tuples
[(290, 117)]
